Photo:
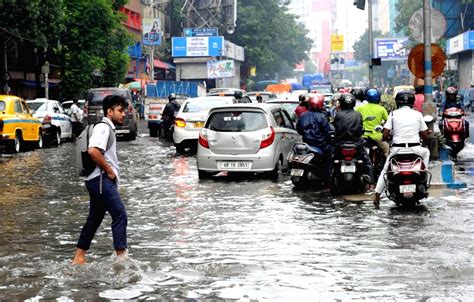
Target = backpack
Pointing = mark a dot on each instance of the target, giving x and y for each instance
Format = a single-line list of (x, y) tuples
[(85, 164)]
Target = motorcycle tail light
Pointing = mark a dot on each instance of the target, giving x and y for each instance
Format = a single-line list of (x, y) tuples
[(349, 153)]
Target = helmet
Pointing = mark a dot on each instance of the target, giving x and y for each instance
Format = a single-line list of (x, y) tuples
[(172, 96), (347, 101), (373, 96), (359, 93), (451, 94), (405, 98), (238, 95), (316, 103), (302, 98)]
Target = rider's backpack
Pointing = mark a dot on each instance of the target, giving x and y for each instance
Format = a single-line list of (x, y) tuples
[(85, 164)]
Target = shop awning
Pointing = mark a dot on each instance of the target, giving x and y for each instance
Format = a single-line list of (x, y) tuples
[(33, 84), (164, 65)]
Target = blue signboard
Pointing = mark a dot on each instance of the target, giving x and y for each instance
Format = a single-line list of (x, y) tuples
[(201, 32), (389, 49), (461, 42), (197, 46)]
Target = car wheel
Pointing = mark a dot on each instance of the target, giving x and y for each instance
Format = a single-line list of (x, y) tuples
[(203, 174), (58, 137), (276, 172), (180, 148), (16, 145), (39, 143), (154, 131)]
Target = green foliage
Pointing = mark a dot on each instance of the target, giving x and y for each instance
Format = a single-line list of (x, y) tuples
[(361, 46), (388, 102), (405, 9), (87, 49), (274, 41)]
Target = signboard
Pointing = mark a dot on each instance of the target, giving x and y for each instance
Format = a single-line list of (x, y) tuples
[(45, 67), (201, 32), (438, 25), (391, 49), (220, 69), (197, 46), (233, 51), (152, 32), (416, 61), (462, 42), (337, 62), (337, 43)]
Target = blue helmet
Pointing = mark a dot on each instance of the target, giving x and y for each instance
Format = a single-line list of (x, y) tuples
[(373, 96)]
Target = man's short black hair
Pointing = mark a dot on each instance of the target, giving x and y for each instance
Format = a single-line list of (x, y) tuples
[(419, 89), (112, 101), (75, 101)]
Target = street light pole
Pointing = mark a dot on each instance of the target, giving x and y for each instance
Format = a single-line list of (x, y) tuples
[(427, 51), (152, 55), (371, 45)]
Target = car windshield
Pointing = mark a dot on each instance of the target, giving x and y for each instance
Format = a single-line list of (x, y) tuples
[(38, 106), (66, 105), (322, 89), (95, 98), (237, 121), (2, 106), (196, 106)]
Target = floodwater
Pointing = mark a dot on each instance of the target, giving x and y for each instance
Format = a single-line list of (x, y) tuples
[(225, 239)]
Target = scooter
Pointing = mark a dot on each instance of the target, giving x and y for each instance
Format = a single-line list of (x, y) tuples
[(376, 156), (305, 166), (347, 177), (407, 179), (454, 129)]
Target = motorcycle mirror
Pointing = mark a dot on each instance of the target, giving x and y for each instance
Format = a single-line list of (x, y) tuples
[(369, 118), (428, 118)]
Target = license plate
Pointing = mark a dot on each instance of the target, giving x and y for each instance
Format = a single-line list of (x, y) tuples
[(348, 169), (198, 125), (407, 188), (297, 172), (235, 165)]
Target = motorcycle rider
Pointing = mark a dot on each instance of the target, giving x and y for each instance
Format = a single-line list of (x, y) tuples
[(169, 112), (359, 94), (453, 99), (303, 106), (349, 129), (406, 126), (372, 108), (315, 129)]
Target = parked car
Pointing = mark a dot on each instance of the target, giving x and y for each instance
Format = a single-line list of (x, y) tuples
[(191, 118), (56, 122), (250, 138), (288, 105), (17, 125), (93, 111), (67, 105)]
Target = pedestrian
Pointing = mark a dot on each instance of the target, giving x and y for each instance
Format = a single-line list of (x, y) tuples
[(470, 97), (419, 98), (102, 183), (76, 118), (406, 126)]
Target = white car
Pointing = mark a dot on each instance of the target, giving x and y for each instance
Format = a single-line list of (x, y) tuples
[(191, 117), (253, 138), (51, 112)]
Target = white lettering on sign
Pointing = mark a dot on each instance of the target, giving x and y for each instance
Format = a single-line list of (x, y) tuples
[(198, 46)]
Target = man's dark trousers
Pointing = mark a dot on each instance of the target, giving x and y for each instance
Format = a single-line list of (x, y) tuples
[(108, 201)]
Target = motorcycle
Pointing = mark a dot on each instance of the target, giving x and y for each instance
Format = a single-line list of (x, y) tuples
[(454, 129), (376, 156), (305, 166), (407, 179), (347, 174), (165, 132)]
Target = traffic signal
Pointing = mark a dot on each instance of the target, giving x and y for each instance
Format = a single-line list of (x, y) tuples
[(360, 4), (376, 61)]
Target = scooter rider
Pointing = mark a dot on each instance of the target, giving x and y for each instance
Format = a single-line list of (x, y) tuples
[(170, 111), (316, 131), (372, 108), (349, 129), (406, 126), (453, 99)]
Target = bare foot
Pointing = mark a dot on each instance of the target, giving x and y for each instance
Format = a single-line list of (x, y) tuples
[(79, 257)]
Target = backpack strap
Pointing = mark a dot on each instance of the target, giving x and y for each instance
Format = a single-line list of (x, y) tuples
[(111, 138)]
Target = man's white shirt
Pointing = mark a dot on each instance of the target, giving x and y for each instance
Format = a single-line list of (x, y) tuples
[(405, 125)]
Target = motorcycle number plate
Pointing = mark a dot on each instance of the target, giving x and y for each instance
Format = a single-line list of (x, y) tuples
[(297, 172), (407, 188), (348, 169)]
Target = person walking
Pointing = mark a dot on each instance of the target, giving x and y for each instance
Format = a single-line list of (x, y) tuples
[(76, 118), (419, 98), (102, 183)]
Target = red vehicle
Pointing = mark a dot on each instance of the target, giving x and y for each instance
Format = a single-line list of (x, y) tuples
[(454, 129)]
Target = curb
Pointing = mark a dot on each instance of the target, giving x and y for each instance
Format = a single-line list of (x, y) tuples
[(443, 175)]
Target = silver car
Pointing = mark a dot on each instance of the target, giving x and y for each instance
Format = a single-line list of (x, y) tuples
[(246, 138)]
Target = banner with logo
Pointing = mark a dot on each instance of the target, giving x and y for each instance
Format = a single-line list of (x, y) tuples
[(220, 69), (152, 33)]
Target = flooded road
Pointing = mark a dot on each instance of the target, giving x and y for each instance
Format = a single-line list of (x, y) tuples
[(224, 239)]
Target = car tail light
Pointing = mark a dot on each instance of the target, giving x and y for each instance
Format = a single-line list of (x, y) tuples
[(349, 153), (85, 110), (47, 119), (203, 140), (179, 122), (130, 109), (267, 138)]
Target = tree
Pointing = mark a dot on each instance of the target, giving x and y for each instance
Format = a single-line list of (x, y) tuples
[(93, 49), (405, 9), (274, 41)]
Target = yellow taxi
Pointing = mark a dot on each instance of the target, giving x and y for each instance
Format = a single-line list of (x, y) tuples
[(17, 125)]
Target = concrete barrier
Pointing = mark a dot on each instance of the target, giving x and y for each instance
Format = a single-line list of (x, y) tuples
[(443, 175)]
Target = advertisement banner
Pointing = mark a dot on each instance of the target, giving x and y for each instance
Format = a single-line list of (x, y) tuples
[(152, 33), (220, 69), (337, 62), (391, 49), (337, 43), (197, 46)]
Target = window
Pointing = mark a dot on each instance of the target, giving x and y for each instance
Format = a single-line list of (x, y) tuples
[(201, 105), (287, 119), (237, 121), (2, 106), (280, 122), (25, 108), (18, 108)]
